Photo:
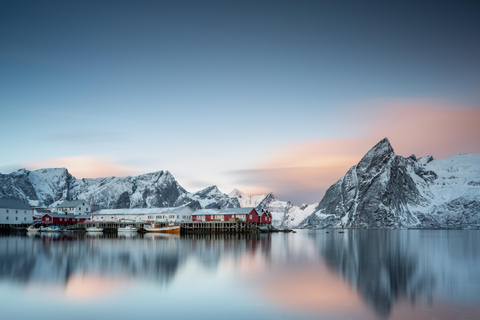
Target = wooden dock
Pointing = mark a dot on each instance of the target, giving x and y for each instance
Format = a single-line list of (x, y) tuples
[(197, 227), (185, 227)]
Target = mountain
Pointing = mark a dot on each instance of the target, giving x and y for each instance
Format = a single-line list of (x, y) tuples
[(385, 190), (207, 198), (246, 200), (284, 213), (48, 187)]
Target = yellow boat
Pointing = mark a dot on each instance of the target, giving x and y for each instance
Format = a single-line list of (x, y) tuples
[(152, 227)]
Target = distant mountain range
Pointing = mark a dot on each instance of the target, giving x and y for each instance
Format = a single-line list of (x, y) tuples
[(48, 187), (383, 190)]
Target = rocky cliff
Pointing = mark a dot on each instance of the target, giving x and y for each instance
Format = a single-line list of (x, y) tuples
[(385, 190)]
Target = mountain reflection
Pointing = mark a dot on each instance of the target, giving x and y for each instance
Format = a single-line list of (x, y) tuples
[(390, 266), (311, 273)]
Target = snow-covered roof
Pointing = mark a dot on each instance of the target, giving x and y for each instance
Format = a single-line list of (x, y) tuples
[(72, 203), (13, 204), (223, 211), (143, 211), (40, 210), (59, 215)]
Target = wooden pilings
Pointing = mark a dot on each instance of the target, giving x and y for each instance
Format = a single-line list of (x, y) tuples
[(219, 227)]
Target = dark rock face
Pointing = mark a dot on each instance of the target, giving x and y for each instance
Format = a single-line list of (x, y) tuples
[(385, 190), (123, 201)]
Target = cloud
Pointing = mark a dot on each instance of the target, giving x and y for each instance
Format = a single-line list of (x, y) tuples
[(427, 127), (303, 171), (83, 166)]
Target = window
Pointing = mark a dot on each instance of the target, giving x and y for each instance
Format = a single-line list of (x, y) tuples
[(7, 218), (7, 210), (25, 219), (24, 211), (16, 218), (250, 216), (16, 211)]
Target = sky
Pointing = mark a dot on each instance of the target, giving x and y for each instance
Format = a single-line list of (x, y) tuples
[(262, 96)]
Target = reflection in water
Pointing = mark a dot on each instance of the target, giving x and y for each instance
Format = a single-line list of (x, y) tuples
[(357, 274), (393, 266)]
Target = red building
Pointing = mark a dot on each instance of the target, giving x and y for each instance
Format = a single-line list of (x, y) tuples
[(56, 218), (231, 214), (265, 217)]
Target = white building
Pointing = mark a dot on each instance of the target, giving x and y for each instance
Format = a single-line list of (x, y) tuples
[(175, 214), (76, 207), (15, 212)]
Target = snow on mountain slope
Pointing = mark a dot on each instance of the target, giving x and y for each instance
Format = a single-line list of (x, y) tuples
[(210, 197), (50, 184), (246, 200)]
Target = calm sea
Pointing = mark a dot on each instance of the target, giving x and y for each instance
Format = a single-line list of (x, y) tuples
[(322, 274)]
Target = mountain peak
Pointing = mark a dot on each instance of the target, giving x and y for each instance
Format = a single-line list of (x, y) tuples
[(379, 154), (236, 193)]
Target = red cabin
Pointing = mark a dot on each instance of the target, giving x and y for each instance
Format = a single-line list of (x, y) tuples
[(61, 218), (226, 214), (265, 217)]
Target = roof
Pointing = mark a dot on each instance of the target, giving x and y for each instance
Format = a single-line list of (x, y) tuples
[(72, 203), (143, 211), (42, 210), (73, 216), (13, 204), (223, 211)]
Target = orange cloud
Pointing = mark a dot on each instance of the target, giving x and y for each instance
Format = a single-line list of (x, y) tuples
[(426, 127), (421, 127), (84, 166)]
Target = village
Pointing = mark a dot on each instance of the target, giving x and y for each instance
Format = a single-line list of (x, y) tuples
[(77, 215)]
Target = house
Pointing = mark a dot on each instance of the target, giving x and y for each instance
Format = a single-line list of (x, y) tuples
[(227, 214), (76, 207), (60, 218), (175, 214), (14, 211), (265, 217)]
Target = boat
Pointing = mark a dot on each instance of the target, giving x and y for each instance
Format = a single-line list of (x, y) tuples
[(52, 229), (94, 229), (128, 228), (153, 227), (33, 229)]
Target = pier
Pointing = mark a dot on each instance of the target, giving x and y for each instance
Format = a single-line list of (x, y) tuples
[(196, 227)]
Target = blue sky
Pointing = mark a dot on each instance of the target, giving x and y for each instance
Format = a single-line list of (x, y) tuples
[(219, 92)]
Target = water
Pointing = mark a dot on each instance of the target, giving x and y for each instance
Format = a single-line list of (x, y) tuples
[(359, 274)]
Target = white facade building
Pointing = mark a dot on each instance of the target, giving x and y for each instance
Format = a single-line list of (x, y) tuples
[(76, 207), (175, 214), (15, 212)]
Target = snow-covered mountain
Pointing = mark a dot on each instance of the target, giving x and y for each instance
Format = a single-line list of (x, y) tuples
[(385, 190), (246, 200), (48, 187), (284, 213)]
